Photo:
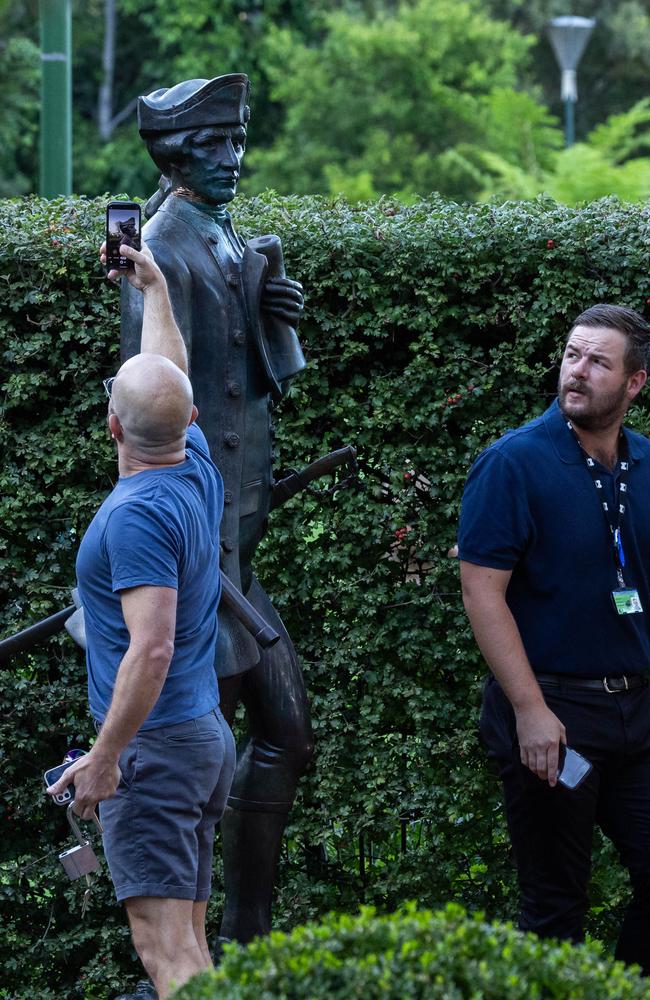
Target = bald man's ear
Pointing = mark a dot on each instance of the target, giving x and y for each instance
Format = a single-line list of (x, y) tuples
[(115, 427), (194, 414)]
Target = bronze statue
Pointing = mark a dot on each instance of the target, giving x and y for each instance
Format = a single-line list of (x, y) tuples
[(237, 313)]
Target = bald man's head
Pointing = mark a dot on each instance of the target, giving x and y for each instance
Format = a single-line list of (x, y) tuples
[(152, 399)]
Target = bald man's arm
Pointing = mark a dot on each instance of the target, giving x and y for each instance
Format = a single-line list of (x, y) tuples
[(150, 617), (160, 332)]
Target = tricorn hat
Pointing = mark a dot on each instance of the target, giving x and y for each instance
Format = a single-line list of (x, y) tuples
[(196, 104)]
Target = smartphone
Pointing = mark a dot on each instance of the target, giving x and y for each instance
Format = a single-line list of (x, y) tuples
[(122, 226), (574, 768), (52, 776)]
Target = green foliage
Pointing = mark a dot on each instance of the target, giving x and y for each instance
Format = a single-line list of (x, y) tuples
[(382, 104), (158, 43), (19, 85), (399, 99), (120, 164), (605, 164), (413, 955), (429, 330), (377, 97), (521, 130), (619, 138), (403, 90)]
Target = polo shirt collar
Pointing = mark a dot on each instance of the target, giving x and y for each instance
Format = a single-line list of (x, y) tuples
[(566, 445)]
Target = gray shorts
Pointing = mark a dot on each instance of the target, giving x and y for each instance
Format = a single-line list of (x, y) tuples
[(159, 825)]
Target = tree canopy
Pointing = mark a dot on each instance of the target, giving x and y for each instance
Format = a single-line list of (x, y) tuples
[(387, 104), (353, 97)]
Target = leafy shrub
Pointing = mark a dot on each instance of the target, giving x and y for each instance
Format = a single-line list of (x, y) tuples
[(429, 330), (608, 162), (413, 955)]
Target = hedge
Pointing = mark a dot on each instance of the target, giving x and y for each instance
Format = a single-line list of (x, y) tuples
[(413, 955), (429, 330)]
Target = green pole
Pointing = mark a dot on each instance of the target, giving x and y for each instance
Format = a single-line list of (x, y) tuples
[(569, 123), (56, 99)]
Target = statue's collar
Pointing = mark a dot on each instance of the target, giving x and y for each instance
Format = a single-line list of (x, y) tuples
[(197, 211), (218, 213)]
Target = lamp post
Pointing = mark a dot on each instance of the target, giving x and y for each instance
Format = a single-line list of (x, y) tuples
[(568, 37), (56, 99)]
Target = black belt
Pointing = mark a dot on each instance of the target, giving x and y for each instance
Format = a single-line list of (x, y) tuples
[(612, 685)]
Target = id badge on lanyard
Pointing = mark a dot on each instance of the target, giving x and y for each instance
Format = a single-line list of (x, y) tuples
[(626, 599), (627, 602)]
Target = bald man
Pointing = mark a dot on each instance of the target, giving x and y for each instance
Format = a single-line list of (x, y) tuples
[(148, 577)]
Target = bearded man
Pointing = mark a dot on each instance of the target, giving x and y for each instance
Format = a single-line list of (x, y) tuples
[(554, 543)]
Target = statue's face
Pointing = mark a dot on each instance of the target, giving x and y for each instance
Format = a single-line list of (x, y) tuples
[(212, 161)]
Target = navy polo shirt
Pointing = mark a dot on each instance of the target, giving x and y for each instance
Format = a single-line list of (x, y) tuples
[(530, 506)]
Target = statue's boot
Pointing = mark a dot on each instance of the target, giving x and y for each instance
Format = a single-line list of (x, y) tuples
[(251, 843), (269, 766)]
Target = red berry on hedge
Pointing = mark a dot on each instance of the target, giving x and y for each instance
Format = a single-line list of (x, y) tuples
[(550, 244)]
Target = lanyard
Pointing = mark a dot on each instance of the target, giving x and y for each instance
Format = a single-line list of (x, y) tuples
[(619, 499)]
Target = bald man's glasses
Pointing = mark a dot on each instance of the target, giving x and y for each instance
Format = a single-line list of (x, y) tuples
[(108, 385)]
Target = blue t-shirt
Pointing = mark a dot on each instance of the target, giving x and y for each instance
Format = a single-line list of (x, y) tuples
[(530, 506), (159, 528)]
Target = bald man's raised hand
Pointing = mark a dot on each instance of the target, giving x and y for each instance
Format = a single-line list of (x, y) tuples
[(145, 272)]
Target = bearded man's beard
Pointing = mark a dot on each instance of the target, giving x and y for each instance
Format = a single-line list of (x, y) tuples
[(599, 414)]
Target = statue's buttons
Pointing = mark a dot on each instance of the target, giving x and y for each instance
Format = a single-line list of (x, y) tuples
[(227, 545), (238, 338), (227, 496), (231, 439), (232, 280), (234, 389)]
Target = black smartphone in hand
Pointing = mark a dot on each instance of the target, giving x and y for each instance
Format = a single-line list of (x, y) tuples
[(123, 220), (52, 776), (574, 768)]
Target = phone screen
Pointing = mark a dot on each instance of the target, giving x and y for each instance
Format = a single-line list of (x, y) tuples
[(122, 227), (574, 770)]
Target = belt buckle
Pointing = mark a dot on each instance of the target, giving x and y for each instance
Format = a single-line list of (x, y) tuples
[(626, 686)]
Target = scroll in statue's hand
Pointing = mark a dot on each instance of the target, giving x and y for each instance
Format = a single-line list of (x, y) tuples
[(283, 298)]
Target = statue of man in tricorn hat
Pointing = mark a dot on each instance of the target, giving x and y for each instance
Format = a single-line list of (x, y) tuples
[(238, 315)]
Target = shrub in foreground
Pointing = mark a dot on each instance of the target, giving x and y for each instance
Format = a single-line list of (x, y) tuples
[(413, 953)]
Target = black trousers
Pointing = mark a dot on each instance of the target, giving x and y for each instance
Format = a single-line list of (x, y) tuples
[(551, 829)]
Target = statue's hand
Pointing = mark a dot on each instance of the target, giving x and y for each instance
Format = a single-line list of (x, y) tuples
[(283, 298), (145, 273)]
